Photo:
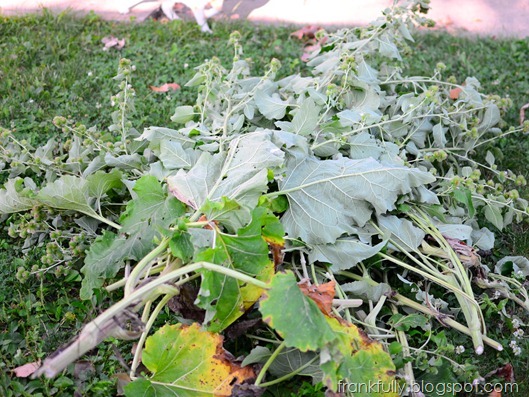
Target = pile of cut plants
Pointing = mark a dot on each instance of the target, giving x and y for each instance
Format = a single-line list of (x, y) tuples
[(323, 226)]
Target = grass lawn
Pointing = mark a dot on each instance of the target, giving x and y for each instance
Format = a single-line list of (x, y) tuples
[(55, 65)]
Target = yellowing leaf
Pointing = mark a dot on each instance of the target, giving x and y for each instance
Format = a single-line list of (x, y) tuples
[(364, 361), (187, 361)]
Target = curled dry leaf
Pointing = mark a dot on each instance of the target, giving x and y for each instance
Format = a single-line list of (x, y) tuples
[(506, 372), (312, 44), (112, 42), (308, 32), (322, 294), (27, 369), (165, 87)]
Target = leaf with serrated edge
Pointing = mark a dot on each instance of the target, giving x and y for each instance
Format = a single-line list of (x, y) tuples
[(186, 361), (284, 308), (328, 197), (224, 298), (364, 361)]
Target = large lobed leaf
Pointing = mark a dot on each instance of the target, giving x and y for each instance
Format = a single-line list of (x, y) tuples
[(186, 361), (328, 197), (349, 354)]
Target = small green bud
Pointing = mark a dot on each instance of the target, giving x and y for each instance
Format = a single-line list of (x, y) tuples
[(59, 121)]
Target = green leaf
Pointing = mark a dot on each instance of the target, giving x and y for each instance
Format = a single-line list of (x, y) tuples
[(183, 114), (102, 261), (270, 106), (227, 212), (224, 298), (512, 264), (174, 156), (145, 216), (364, 361), (152, 206), (493, 215), (344, 253), (305, 120), (288, 361), (101, 182), (181, 246), (186, 361), (464, 196), (240, 175), (364, 290), (125, 162), (402, 232), (328, 197), (284, 308), (14, 198), (68, 193), (405, 323)]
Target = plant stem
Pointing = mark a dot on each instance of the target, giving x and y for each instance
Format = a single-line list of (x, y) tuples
[(136, 273), (269, 362), (290, 375), (426, 310), (143, 337), (95, 331)]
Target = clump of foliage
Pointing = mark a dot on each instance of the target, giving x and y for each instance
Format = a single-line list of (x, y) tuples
[(317, 204)]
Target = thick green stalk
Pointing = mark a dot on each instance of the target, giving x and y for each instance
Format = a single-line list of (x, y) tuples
[(458, 276), (101, 327), (143, 337), (402, 300), (268, 363), (136, 273)]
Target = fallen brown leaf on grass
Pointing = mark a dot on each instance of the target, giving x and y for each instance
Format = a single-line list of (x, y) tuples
[(312, 44), (308, 32), (112, 42), (165, 87), (27, 369)]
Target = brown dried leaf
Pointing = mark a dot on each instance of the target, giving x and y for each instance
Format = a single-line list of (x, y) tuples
[(112, 42), (165, 87), (322, 294), (27, 369), (506, 372), (308, 32), (123, 380), (454, 93)]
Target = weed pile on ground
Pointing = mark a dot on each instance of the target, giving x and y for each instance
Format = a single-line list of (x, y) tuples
[(198, 206)]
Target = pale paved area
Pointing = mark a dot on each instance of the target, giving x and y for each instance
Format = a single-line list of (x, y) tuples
[(483, 17)]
